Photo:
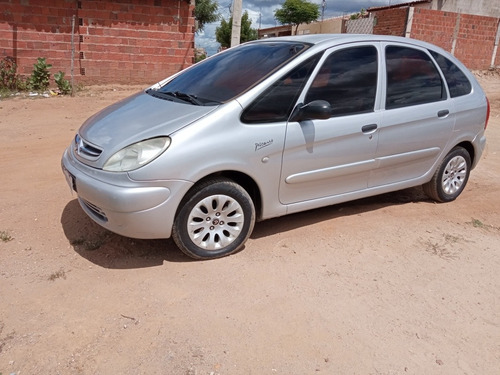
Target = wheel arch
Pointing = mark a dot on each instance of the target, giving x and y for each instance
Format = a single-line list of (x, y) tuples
[(242, 179), (469, 147)]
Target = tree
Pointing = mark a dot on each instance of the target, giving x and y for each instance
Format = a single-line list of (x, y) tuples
[(205, 11), (295, 12), (360, 14), (223, 32), (199, 55)]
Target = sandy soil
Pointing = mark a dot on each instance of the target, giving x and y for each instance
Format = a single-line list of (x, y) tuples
[(394, 284)]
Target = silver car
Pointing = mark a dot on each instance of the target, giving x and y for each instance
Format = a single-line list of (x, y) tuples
[(274, 127)]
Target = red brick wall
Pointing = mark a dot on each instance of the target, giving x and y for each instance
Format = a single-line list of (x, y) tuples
[(120, 41), (434, 26), (476, 40), (32, 29), (470, 38), (390, 21), (474, 37)]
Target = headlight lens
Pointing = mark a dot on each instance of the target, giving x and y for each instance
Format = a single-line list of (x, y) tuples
[(137, 155)]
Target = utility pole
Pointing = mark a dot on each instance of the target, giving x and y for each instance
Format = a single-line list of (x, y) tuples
[(323, 7), (236, 30)]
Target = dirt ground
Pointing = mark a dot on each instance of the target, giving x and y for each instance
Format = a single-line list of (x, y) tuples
[(394, 284)]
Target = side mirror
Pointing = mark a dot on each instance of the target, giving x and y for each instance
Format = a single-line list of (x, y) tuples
[(315, 110)]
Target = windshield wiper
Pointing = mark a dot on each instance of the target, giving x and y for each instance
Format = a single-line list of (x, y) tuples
[(161, 95), (184, 96)]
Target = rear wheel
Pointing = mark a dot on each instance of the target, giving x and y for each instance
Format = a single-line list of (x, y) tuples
[(215, 220), (451, 176)]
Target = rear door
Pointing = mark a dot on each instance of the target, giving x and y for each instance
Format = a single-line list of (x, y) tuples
[(418, 119), (323, 158)]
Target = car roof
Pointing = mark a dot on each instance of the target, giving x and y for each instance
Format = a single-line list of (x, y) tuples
[(318, 39)]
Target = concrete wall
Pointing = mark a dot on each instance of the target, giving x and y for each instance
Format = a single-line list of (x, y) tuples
[(127, 41), (489, 8), (328, 26), (275, 31), (360, 25)]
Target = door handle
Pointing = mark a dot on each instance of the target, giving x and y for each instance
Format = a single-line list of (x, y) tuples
[(443, 113), (369, 128)]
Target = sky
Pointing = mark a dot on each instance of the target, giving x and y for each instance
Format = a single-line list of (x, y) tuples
[(261, 13)]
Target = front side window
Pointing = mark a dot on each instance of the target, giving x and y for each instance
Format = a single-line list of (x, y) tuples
[(229, 74), (276, 103), (458, 83), (347, 80), (412, 78)]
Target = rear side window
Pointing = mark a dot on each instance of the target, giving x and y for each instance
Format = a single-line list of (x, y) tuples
[(412, 78), (277, 102), (348, 81), (458, 83)]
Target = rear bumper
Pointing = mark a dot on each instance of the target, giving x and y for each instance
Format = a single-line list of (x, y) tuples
[(479, 145)]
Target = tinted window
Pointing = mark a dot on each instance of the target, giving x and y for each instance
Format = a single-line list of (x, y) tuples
[(412, 78), (277, 102), (458, 84), (347, 80), (231, 73)]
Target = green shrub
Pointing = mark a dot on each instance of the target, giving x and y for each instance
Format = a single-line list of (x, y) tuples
[(9, 79), (199, 57), (39, 80), (63, 84)]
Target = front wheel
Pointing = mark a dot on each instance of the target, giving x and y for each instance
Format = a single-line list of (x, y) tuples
[(215, 220), (451, 176)]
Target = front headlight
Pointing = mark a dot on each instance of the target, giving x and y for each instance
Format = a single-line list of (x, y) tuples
[(137, 155)]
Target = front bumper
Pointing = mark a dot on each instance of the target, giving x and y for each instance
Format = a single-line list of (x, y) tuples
[(138, 209)]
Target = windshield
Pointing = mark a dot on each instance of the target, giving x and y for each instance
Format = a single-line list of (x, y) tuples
[(231, 73)]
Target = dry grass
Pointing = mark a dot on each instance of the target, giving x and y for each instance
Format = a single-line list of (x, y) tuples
[(5, 236)]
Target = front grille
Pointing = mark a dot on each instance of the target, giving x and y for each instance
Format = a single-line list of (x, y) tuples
[(96, 211), (85, 149)]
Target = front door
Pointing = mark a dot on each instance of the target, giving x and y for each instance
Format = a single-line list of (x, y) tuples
[(323, 158)]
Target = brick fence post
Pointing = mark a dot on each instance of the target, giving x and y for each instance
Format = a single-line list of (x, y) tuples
[(409, 21), (495, 48), (455, 34)]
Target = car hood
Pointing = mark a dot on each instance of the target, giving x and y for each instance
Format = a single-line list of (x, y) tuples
[(136, 118)]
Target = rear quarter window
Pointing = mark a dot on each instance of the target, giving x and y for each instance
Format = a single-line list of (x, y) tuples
[(458, 83)]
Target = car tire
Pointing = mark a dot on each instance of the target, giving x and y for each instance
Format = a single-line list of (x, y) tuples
[(451, 176), (214, 220)]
